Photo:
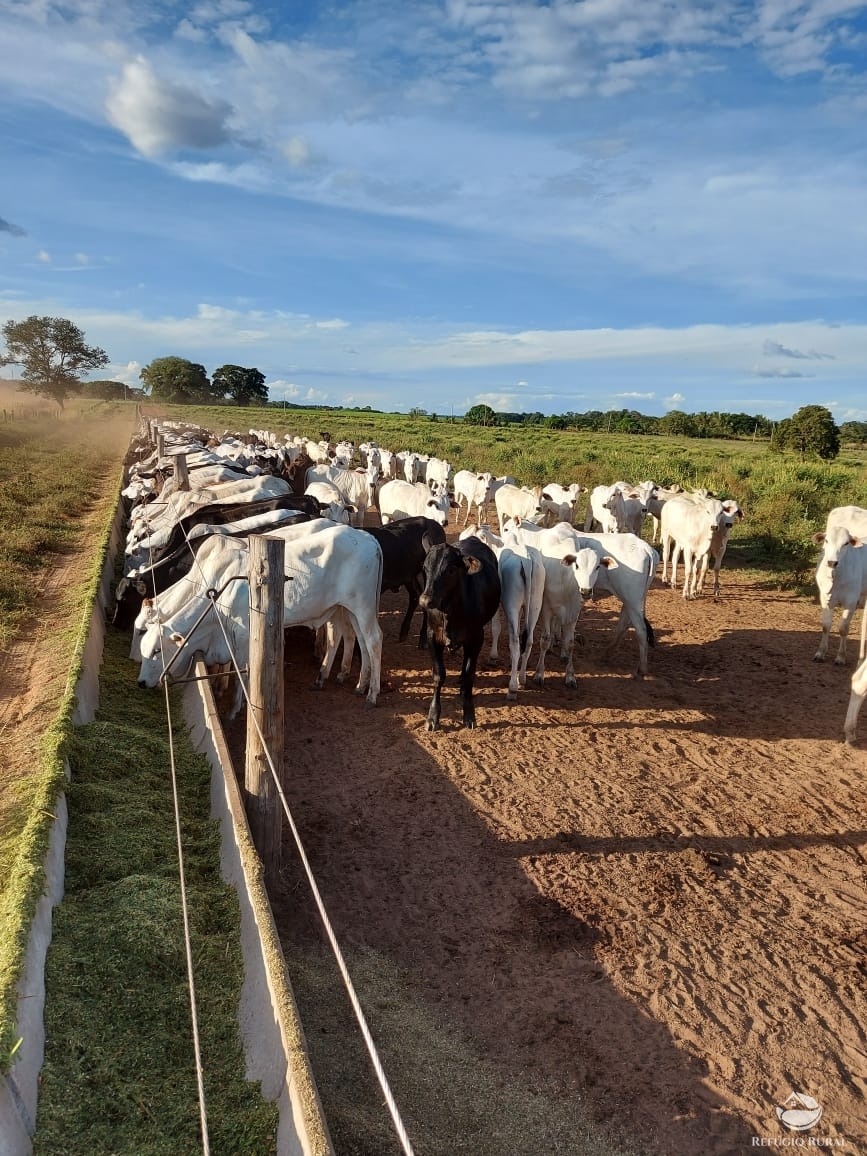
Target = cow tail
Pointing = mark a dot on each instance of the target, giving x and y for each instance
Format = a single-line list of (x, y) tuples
[(651, 637)]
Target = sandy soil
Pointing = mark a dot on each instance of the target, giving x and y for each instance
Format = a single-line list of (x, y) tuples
[(648, 892)]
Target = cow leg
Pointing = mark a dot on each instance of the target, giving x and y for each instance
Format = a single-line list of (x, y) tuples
[(666, 542), (439, 677), (412, 589), (369, 634), (629, 615), (494, 653), (698, 586), (827, 621), (544, 644), (845, 618), (514, 625), (468, 674), (328, 639), (856, 699), (688, 564)]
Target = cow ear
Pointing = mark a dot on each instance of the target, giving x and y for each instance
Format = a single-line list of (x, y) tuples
[(472, 564), (819, 538), (568, 560), (176, 638), (608, 562)]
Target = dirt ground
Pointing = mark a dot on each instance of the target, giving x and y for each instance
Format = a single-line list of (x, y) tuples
[(650, 893)]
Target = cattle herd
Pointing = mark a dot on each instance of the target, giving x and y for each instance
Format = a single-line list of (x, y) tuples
[(184, 587)]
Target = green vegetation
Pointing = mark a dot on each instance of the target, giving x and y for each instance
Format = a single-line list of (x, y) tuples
[(119, 1072)]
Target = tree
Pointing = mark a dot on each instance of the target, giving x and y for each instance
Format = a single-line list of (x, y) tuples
[(242, 386), (480, 415), (53, 355), (178, 380), (813, 433), (106, 390)]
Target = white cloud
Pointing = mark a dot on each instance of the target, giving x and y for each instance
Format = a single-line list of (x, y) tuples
[(44, 256), (778, 371), (159, 116), (643, 396)]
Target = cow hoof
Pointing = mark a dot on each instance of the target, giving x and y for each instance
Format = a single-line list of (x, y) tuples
[(369, 704), (318, 684), (431, 726), (512, 695), (818, 657), (839, 661)]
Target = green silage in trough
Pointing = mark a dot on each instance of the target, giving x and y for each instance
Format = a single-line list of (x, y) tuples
[(119, 1074)]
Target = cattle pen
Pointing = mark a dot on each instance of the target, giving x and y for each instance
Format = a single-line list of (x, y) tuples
[(625, 917)]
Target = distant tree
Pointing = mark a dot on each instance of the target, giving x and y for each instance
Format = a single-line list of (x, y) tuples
[(53, 355), (480, 415), (854, 431), (678, 424), (813, 433), (241, 386), (107, 390), (177, 380), (780, 436), (416, 411)]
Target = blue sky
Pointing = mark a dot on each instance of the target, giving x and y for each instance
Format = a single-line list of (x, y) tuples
[(651, 204)]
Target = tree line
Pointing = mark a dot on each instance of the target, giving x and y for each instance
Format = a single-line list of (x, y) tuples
[(53, 356)]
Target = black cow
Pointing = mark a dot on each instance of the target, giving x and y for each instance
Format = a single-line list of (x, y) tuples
[(461, 595), (405, 543)]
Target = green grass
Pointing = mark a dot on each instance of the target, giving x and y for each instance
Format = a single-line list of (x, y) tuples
[(119, 1074)]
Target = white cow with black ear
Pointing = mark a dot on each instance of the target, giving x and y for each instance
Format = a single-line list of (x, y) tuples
[(559, 502), (522, 588)]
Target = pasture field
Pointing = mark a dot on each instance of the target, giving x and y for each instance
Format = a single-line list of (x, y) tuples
[(638, 905), (785, 500)]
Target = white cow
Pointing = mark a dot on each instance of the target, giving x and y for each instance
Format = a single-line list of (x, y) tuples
[(399, 499), (598, 512), (522, 588), (559, 502), (841, 577), (854, 518), (213, 561), (357, 487), (657, 498), (437, 474), (688, 526), (718, 544), (157, 521), (622, 565), (331, 568), (518, 502), (474, 489)]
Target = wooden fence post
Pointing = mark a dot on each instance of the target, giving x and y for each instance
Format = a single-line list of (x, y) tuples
[(264, 808), (181, 472)]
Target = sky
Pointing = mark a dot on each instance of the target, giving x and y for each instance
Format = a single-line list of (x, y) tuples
[(585, 204)]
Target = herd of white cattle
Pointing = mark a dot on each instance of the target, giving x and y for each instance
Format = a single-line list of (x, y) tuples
[(548, 567)]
